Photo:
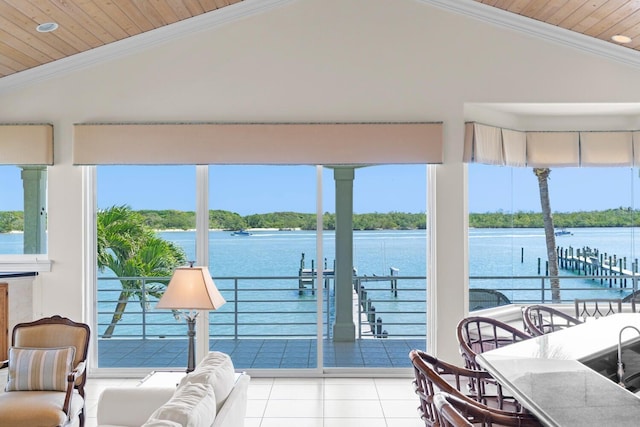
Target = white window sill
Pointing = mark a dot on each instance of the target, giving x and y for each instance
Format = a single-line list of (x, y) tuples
[(24, 264)]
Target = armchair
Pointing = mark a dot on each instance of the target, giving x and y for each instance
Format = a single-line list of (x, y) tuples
[(46, 374)]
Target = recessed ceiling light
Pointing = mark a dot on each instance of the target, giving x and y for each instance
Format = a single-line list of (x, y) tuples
[(619, 38), (47, 27)]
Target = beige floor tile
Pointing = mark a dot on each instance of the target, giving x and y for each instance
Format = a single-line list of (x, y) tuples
[(347, 380), (252, 422), (399, 408), (298, 381), (292, 422), (405, 422), (259, 391), (359, 391), (256, 407), (355, 422), (353, 409), (297, 391), (294, 409), (397, 393)]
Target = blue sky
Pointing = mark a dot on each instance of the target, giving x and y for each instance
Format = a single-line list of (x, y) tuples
[(261, 189)]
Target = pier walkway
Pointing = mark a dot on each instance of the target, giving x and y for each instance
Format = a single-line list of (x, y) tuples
[(592, 262)]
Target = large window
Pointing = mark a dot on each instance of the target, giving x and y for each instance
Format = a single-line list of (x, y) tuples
[(23, 210), (262, 252), (145, 228), (595, 217)]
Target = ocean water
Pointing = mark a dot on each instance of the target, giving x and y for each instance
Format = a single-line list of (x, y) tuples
[(275, 305), (516, 253)]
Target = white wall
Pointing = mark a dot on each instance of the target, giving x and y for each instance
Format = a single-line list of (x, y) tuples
[(314, 61)]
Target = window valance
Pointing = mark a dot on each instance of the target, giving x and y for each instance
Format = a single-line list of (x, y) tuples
[(499, 146), (26, 144), (304, 143)]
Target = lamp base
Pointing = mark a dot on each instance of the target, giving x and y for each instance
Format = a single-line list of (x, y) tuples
[(191, 333)]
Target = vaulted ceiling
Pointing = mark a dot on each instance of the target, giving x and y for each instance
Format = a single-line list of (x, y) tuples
[(84, 25), (601, 19)]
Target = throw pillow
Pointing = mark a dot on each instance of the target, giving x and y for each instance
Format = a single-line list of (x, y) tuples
[(216, 369), (39, 369), (192, 405)]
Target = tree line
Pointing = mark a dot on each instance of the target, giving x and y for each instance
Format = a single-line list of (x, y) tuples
[(226, 220)]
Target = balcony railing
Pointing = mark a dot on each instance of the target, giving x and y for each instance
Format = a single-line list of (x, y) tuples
[(274, 307), (285, 307)]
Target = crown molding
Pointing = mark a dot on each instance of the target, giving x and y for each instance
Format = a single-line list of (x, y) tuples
[(538, 29), (137, 43)]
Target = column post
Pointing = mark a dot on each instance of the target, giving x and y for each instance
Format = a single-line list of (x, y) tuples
[(34, 182), (344, 329)]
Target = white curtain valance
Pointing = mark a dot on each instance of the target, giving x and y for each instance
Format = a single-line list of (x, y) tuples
[(515, 147), (609, 148), (550, 149), (327, 144), (488, 142), (553, 149), (26, 144)]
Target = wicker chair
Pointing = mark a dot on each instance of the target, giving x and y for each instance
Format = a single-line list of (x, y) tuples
[(455, 412), (478, 334), (447, 414), (541, 319), (596, 308), (433, 376)]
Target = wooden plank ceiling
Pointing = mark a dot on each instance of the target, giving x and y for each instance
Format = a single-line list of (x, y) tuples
[(88, 24), (83, 25), (601, 19)]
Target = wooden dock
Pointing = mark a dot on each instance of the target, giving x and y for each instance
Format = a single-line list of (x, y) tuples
[(592, 262), (364, 312), (308, 276)]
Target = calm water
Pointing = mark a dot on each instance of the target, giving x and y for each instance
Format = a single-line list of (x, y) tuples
[(279, 254), (492, 252)]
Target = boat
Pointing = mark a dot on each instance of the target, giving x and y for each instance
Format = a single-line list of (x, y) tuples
[(563, 232), (241, 233)]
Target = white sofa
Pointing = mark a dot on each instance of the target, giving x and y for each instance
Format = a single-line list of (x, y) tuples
[(213, 395)]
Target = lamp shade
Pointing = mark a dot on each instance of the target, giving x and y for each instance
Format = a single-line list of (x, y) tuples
[(191, 288)]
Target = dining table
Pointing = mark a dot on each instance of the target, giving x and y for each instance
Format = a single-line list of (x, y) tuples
[(569, 377)]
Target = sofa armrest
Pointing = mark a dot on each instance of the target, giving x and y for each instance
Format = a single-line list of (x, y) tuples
[(130, 406), (234, 409)]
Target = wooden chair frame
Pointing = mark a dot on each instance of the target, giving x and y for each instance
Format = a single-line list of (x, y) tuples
[(448, 415), (455, 412), (541, 319), (77, 378), (477, 334), (433, 376)]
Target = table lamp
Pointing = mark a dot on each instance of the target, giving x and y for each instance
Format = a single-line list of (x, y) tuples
[(191, 288)]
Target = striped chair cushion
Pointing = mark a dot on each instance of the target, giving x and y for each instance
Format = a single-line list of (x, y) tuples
[(32, 369)]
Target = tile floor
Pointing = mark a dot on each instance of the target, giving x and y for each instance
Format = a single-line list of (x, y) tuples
[(310, 402)]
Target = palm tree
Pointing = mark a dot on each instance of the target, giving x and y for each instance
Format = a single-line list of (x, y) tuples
[(129, 248), (549, 231)]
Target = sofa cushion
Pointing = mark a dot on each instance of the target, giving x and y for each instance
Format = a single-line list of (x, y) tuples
[(37, 408), (192, 405), (39, 369), (215, 369)]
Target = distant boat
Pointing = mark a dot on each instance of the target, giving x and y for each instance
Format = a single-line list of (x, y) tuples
[(563, 232), (241, 233)]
